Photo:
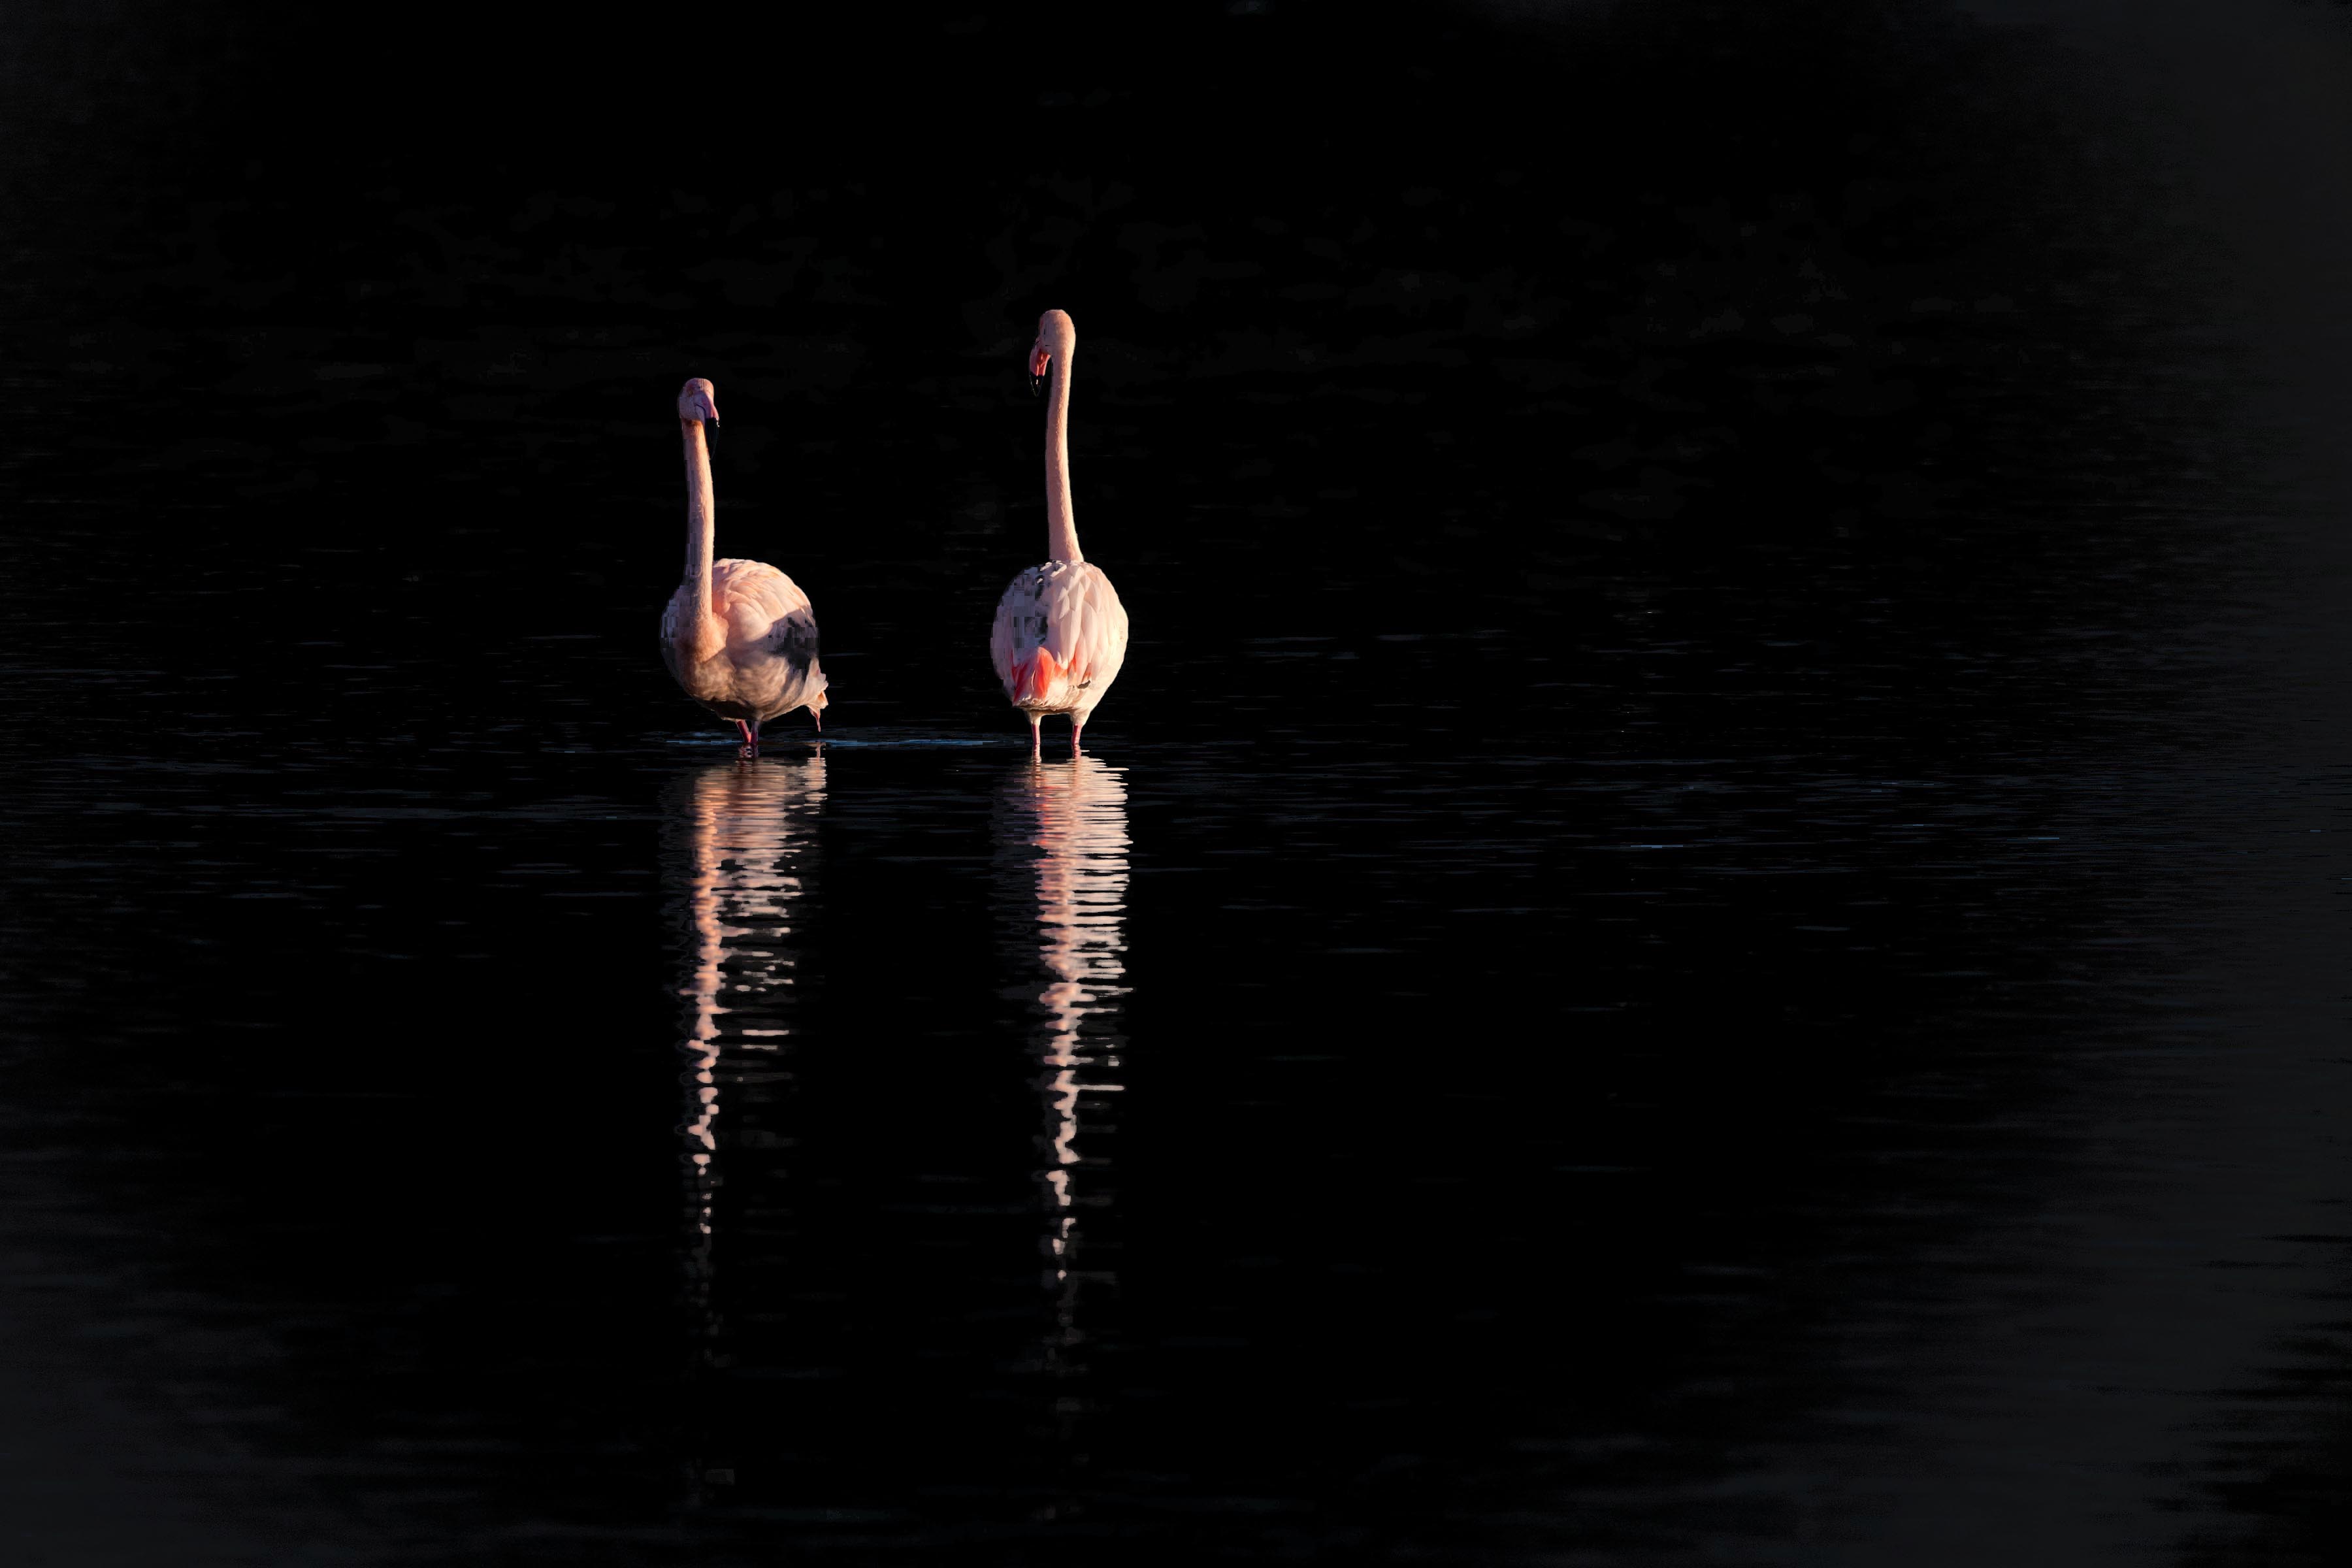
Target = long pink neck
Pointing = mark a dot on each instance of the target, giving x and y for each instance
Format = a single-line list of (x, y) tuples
[(1061, 524), (702, 519)]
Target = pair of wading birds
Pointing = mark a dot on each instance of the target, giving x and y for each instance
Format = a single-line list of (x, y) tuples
[(740, 636)]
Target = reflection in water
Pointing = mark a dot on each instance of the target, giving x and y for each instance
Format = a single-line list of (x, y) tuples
[(744, 833), (1062, 843)]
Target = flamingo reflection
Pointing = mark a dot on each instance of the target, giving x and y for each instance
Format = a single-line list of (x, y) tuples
[(742, 835), (1062, 836)]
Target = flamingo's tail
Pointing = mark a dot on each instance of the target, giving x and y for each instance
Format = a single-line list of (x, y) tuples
[(1032, 678)]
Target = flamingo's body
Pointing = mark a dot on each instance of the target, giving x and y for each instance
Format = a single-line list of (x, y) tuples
[(1059, 638), (739, 636), (767, 665), (1061, 633)]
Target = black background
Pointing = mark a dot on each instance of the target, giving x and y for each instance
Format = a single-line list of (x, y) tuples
[(1695, 572)]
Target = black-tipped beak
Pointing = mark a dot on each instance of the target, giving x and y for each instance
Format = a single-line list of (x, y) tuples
[(1037, 384)]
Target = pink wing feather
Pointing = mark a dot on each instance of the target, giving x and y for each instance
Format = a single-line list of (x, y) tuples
[(1060, 638)]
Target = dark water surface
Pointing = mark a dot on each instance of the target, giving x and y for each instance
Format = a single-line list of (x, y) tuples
[(1706, 924)]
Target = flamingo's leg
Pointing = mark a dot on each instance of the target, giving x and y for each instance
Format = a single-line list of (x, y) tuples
[(750, 747), (1034, 739), (1077, 723)]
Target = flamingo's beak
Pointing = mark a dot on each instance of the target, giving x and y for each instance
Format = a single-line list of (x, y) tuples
[(1038, 360)]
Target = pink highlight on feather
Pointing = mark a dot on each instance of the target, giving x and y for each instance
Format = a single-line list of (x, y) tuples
[(1032, 680)]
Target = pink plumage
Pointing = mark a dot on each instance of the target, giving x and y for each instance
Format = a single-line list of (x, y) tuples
[(1061, 633), (739, 636)]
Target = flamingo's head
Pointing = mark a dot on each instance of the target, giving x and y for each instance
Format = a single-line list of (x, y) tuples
[(1056, 334), (697, 402)]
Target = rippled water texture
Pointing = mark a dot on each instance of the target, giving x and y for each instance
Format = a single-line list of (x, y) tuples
[(1706, 924)]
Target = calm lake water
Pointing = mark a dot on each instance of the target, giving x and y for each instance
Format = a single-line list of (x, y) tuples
[(1707, 926)]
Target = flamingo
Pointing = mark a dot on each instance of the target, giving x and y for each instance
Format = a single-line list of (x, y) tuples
[(1061, 632), (739, 636)]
